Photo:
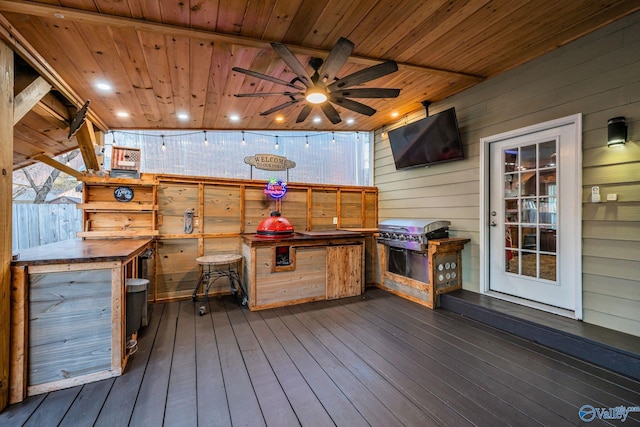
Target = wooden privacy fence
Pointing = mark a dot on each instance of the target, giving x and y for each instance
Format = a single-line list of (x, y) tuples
[(39, 224)]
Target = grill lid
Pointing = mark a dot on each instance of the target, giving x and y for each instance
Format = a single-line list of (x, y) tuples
[(275, 226), (413, 226)]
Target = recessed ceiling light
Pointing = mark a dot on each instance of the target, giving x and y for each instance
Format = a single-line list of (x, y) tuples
[(103, 86), (395, 114), (279, 119), (316, 119), (122, 114), (234, 117), (58, 15), (183, 116), (350, 121)]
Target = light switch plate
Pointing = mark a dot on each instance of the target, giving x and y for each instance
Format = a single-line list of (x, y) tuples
[(612, 197)]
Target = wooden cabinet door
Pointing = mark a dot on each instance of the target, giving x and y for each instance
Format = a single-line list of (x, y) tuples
[(344, 271)]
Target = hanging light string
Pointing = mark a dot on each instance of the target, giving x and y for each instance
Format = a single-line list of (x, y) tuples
[(307, 136), (164, 147), (243, 140), (182, 134), (277, 145), (206, 141)]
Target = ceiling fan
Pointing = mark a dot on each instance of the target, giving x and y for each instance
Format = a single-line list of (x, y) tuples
[(323, 87)]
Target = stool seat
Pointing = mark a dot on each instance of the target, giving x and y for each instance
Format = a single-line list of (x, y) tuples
[(221, 259), (136, 285)]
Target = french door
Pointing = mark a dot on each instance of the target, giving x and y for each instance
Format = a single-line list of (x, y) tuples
[(534, 204)]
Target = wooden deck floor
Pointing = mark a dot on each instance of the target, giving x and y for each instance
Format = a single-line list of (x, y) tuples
[(372, 360)]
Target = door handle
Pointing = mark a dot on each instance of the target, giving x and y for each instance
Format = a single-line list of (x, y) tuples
[(493, 224)]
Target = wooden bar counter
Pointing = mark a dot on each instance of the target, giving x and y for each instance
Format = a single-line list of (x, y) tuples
[(68, 313), (308, 266)]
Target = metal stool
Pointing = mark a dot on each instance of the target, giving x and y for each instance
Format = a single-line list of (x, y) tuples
[(210, 274)]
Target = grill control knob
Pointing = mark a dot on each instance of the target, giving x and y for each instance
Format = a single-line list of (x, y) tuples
[(394, 236), (402, 237)]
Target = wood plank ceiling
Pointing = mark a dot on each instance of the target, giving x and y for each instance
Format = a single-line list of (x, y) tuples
[(166, 57)]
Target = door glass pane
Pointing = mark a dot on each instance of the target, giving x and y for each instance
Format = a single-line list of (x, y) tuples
[(511, 210), (511, 160), (511, 238), (548, 267), (530, 210), (511, 185), (547, 154), (512, 259), (529, 264), (528, 157), (548, 239)]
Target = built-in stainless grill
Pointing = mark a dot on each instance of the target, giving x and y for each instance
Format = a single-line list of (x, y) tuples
[(412, 234)]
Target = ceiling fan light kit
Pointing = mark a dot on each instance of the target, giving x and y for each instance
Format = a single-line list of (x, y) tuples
[(323, 87)]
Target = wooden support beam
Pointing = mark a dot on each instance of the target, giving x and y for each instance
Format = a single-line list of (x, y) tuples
[(60, 166), (6, 182), (29, 98), (86, 139)]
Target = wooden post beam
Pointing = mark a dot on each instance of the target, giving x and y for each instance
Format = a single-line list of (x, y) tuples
[(6, 183), (86, 139), (57, 165), (29, 98)]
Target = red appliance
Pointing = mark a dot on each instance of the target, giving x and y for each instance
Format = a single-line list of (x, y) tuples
[(275, 226)]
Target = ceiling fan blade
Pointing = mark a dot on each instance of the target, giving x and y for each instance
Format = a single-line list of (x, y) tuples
[(354, 106), (304, 113), (266, 77), (331, 113), (279, 107), (257, 95), (292, 62), (366, 93), (363, 76), (336, 59)]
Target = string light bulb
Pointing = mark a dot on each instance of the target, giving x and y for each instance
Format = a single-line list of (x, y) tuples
[(164, 147), (307, 136), (333, 137), (243, 140), (206, 141), (277, 145), (113, 137), (357, 136)]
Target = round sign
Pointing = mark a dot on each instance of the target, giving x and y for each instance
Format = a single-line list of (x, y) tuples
[(123, 194), (276, 188)]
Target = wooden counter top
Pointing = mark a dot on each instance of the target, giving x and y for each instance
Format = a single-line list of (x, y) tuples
[(324, 237), (77, 251)]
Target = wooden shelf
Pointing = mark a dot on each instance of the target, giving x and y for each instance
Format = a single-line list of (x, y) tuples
[(117, 206)]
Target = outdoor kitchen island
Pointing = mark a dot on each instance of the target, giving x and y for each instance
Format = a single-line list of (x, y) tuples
[(69, 312), (306, 266)]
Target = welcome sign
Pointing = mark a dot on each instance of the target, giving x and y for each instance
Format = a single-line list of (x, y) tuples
[(270, 162)]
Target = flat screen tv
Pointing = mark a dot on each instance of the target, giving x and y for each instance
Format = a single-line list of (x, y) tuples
[(435, 139)]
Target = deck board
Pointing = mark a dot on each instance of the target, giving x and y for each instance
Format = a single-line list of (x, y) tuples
[(371, 360)]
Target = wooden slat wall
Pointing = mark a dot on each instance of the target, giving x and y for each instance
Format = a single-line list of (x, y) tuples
[(596, 76), (223, 209)]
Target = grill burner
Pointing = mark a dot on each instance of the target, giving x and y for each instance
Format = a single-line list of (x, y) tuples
[(412, 234)]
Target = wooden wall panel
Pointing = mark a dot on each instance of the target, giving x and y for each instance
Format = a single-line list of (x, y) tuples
[(597, 76), (258, 206), (177, 272), (370, 210), (173, 200), (59, 350), (222, 206), (294, 208), (351, 209), (324, 207)]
